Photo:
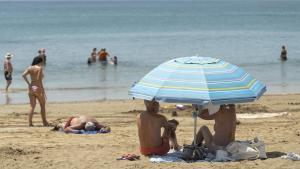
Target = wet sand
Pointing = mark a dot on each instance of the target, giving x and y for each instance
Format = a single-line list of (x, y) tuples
[(38, 147)]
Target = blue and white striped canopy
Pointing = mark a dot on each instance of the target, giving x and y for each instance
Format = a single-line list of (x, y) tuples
[(198, 80)]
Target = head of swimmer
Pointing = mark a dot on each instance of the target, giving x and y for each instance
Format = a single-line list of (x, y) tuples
[(37, 61), (151, 106), (42, 51)]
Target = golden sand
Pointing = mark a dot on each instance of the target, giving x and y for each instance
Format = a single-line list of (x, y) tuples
[(38, 147)]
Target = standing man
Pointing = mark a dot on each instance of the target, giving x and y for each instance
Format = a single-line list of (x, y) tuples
[(283, 54), (8, 69)]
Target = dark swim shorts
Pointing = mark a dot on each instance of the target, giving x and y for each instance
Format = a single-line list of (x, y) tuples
[(7, 75)]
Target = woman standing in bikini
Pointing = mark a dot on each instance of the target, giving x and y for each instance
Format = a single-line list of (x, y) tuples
[(35, 88)]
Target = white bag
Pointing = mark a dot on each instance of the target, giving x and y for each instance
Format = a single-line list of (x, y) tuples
[(241, 151), (260, 146), (247, 150)]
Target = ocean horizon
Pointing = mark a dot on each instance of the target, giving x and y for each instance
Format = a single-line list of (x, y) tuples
[(143, 35)]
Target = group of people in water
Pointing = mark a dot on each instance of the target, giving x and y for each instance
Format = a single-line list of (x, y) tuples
[(102, 57)]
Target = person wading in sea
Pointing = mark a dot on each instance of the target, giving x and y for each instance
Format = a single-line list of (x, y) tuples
[(8, 69), (283, 54)]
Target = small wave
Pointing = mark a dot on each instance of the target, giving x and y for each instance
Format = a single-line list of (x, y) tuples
[(18, 90)]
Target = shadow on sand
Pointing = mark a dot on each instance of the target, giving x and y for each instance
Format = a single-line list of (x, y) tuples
[(275, 154)]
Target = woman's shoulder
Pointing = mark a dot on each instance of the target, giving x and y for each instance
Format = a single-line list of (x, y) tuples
[(35, 67), (29, 68), (32, 68)]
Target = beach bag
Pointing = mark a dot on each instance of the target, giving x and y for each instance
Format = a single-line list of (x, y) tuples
[(247, 150), (192, 153), (260, 146), (242, 151)]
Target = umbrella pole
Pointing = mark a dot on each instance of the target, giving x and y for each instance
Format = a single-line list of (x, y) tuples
[(195, 127), (195, 115)]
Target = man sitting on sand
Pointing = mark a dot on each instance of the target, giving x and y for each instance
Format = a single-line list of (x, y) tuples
[(77, 124), (225, 125), (149, 130)]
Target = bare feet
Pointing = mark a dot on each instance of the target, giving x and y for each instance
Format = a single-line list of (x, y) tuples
[(175, 147), (45, 124)]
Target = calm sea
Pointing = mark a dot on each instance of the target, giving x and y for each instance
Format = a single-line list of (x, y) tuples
[(144, 34)]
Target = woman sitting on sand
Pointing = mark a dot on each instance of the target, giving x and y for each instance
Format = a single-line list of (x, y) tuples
[(36, 88), (77, 124)]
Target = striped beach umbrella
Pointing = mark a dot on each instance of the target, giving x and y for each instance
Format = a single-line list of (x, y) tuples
[(198, 80)]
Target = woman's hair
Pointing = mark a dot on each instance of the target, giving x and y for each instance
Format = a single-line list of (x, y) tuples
[(58, 127), (36, 60)]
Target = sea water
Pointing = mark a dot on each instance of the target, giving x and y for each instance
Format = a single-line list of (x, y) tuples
[(143, 34)]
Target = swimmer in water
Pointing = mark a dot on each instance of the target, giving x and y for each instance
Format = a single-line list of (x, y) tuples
[(283, 54), (94, 55), (36, 89), (114, 60), (102, 54)]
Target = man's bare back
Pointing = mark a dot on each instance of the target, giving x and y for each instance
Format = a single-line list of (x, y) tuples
[(149, 129), (149, 124)]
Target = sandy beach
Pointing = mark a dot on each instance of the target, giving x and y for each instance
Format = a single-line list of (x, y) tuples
[(220, 50), (38, 147)]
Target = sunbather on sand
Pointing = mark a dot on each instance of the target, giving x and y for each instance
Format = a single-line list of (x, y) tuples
[(225, 125), (77, 124), (149, 130)]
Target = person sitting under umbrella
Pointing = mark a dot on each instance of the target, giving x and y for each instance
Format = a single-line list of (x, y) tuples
[(149, 130), (225, 125)]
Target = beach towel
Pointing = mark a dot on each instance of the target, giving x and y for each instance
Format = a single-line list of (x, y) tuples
[(237, 150), (171, 156), (91, 132), (87, 132)]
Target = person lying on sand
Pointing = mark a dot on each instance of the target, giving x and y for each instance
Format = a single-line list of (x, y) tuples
[(225, 125), (77, 124), (149, 125)]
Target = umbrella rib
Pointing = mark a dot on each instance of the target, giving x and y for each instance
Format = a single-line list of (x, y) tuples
[(206, 84), (163, 83)]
